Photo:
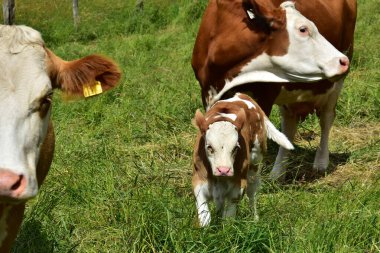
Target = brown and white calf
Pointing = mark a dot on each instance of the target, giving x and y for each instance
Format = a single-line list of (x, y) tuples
[(228, 152), (29, 72), (279, 52)]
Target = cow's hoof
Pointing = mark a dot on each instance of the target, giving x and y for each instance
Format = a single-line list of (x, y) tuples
[(277, 175)]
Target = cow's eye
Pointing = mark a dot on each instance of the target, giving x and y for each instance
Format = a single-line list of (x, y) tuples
[(210, 149), (45, 102), (304, 30)]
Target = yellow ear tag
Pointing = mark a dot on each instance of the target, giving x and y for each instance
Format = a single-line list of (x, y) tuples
[(92, 90)]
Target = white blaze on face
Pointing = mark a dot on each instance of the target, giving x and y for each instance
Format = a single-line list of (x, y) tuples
[(24, 88), (221, 147), (310, 56)]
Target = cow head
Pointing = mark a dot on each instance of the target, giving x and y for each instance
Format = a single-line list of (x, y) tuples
[(222, 142), (29, 73), (248, 41)]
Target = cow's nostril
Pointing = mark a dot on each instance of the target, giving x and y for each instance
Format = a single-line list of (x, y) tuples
[(17, 184), (344, 62)]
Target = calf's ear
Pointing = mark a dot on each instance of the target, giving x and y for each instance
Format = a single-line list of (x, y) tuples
[(87, 76), (240, 119), (199, 121)]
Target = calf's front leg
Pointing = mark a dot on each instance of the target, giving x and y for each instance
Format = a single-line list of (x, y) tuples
[(201, 192)]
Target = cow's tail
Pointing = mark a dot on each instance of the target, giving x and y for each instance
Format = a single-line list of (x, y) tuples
[(274, 134)]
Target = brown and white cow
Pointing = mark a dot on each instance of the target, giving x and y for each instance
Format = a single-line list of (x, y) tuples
[(29, 72), (272, 51), (227, 155)]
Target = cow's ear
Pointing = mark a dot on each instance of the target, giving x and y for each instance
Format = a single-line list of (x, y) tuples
[(199, 121), (87, 76), (266, 17), (241, 118)]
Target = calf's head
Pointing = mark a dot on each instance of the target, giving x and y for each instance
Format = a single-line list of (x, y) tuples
[(29, 73), (222, 142)]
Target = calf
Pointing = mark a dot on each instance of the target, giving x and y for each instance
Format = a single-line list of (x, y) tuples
[(228, 151), (29, 72), (287, 53)]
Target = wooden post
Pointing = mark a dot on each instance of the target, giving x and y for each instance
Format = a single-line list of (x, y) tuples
[(75, 13), (9, 12)]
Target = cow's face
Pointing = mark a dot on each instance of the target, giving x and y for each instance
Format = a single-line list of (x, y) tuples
[(310, 56), (221, 145), (294, 50), (25, 105), (28, 74)]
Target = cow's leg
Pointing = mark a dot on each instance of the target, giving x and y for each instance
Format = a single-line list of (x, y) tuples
[(252, 188), (219, 198), (288, 127), (231, 204), (230, 209), (326, 118), (201, 192)]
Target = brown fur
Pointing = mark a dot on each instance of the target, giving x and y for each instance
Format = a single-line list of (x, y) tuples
[(71, 76), (219, 53)]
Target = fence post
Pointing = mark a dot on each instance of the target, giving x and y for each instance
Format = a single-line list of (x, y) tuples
[(139, 4), (9, 12), (75, 13)]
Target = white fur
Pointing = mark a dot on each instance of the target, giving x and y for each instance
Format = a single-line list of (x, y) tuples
[(228, 115), (23, 82), (202, 194), (236, 98), (256, 152), (276, 135), (222, 136)]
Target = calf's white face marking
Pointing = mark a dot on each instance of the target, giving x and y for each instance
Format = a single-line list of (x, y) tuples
[(221, 147), (25, 91)]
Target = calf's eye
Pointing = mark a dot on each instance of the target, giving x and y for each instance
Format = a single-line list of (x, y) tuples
[(210, 149), (236, 148)]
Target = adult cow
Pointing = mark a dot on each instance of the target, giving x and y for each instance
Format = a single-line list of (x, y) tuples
[(268, 49), (29, 72)]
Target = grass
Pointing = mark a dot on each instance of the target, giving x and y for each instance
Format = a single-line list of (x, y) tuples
[(121, 176)]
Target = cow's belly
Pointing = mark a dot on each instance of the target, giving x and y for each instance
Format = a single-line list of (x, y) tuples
[(286, 97), (302, 102)]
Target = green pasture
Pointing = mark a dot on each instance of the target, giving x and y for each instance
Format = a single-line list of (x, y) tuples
[(121, 176)]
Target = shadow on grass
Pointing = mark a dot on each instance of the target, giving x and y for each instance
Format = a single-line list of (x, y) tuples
[(33, 238), (300, 169)]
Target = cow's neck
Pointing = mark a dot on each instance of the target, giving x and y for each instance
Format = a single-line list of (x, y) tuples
[(4, 213)]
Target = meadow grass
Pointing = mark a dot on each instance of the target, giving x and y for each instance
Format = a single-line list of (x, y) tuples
[(121, 176)]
